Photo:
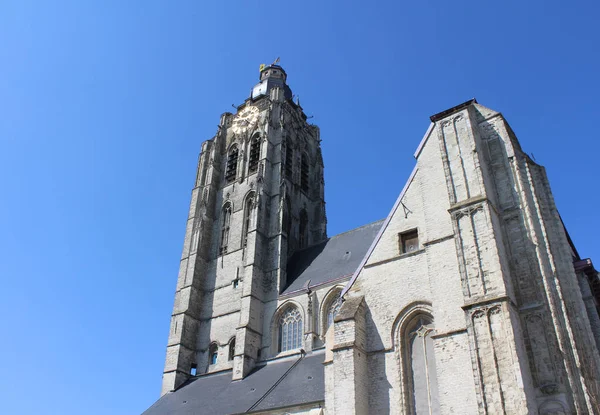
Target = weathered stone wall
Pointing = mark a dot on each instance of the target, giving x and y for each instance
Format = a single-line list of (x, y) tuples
[(515, 329), (493, 270), (222, 296)]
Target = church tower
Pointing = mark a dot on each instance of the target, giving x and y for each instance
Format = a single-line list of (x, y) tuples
[(258, 197)]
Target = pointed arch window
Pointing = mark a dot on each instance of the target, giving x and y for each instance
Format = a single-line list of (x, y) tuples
[(303, 231), (419, 366), (231, 353), (289, 162), (213, 354), (286, 220), (254, 154), (248, 209), (334, 307), (304, 173), (232, 162), (290, 330), (225, 222)]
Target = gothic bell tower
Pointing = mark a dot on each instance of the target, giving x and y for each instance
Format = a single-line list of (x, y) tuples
[(258, 197)]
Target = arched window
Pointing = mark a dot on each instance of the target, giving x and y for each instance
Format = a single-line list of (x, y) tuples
[(225, 220), (213, 354), (290, 330), (254, 154), (334, 307), (418, 358), (329, 308), (231, 349), (248, 208), (289, 162), (303, 231), (304, 172), (232, 161), (287, 219)]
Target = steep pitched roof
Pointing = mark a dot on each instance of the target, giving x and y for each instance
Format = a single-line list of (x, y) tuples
[(377, 237), (434, 118), (337, 257), (277, 384)]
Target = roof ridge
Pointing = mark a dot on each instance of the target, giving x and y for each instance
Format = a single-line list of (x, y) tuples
[(339, 234), (355, 229)]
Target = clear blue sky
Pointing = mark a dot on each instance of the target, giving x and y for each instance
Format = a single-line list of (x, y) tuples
[(104, 105)]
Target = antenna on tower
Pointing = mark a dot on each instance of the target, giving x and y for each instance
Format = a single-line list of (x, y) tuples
[(276, 61)]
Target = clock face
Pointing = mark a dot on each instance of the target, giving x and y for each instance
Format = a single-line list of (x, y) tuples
[(245, 119)]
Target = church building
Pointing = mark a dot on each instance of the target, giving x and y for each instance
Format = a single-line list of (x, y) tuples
[(468, 298)]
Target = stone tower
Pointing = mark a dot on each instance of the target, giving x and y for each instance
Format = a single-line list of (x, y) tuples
[(258, 197)]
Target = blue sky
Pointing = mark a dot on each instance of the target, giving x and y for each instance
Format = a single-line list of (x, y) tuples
[(104, 106)]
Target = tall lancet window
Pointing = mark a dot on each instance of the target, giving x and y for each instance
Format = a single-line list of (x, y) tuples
[(289, 162), (303, 231), (232, 162), (225, 222), (334, 307), (254, 154), (420, 369), (304, 172), (286, 220), (248, 209), (231, 353), (290, 330), (213, 354)]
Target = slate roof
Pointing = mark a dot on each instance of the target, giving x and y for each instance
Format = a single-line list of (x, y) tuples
[(277, 384), (336, 257)]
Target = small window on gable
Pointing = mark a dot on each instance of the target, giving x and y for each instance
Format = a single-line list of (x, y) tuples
[(409, 241), (232, 161), (193, 369), (213, 354), (254, 154)]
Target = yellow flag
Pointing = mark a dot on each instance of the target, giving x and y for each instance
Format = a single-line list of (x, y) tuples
[(262, 66)]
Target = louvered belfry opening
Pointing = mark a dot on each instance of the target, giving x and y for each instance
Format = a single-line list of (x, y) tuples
[(254, 155), (289, 162), (303, 231), (225, 220), (232, 161), (304, 172), (247, 217)]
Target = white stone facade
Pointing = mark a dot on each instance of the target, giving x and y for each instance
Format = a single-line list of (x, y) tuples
[(494, 271), (483, 314)]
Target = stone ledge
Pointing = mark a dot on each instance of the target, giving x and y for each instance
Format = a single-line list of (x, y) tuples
[(449, 333), (485, 301), (438, 240), (347, 346), (468, 202), (397, 257)]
